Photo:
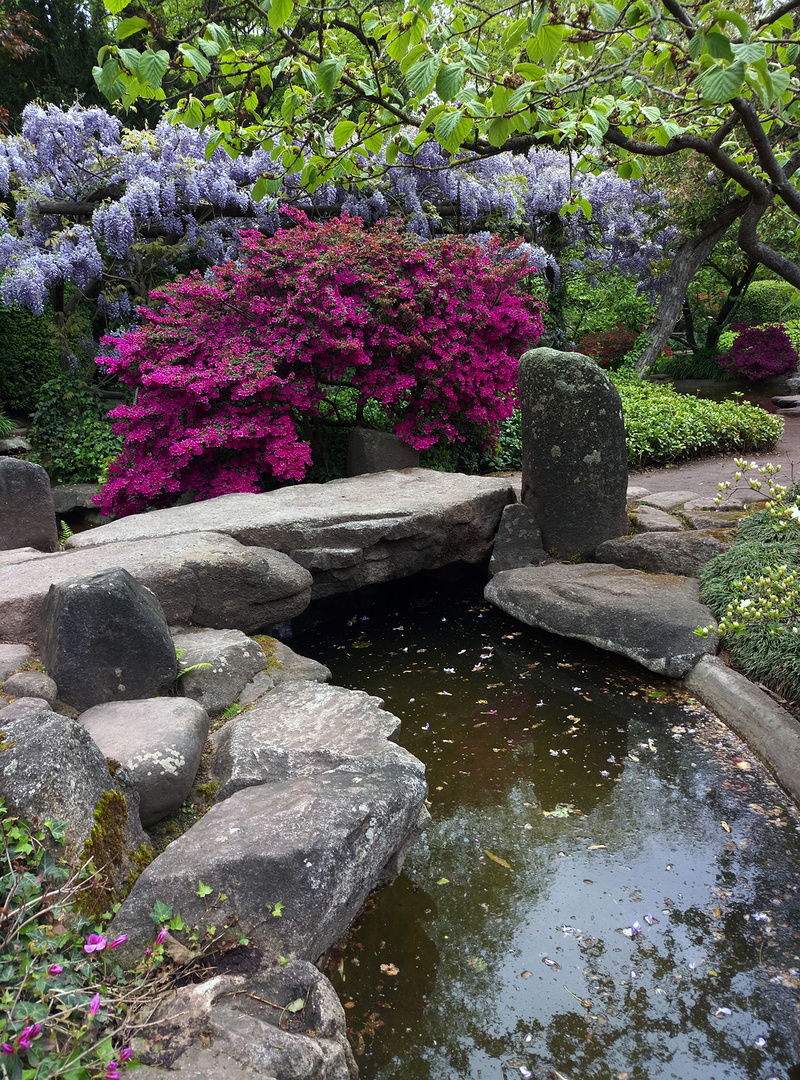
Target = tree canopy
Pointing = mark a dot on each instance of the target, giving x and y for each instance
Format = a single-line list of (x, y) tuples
[(336, 90)]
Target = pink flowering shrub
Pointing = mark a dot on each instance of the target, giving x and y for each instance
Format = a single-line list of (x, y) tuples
[(233, 368), (759, 352)]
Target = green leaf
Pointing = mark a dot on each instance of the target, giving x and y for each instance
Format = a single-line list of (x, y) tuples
[(153, 66), (280, 12), (342, 132), (452, 129), (718, 46), (131, 26), (108, 81), (328, 74), (422, 75), (219, 34), (632, 85), (586, 207), (130, 58), (296, 1005), (696, 44), (498, 131), (431, 115), (199, 62), (193, 115), (449, 80), (780, 81), (652, 112), (608, 13), (412, 56), (443, 881), (391, 153), (726, 15), (545, 46), (161, 912), (115, 6), (520, 95), (750, 52), (399, 46), (723, 83), (203, 890), (277, 910), (213, 143)]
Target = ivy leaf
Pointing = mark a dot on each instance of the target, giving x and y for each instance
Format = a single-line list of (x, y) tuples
[(452, 129), (342, 132), (422, 75), (131, 26), (153, 66), (328, 74), (723, 83)]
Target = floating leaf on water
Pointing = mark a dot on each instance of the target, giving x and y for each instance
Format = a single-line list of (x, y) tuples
[(443, 881), (477, 962), (527, 974), (595, 847), (725, 826), (722, 1011), (650, 920), (760, 916), (497, 859), (349, 1004), (390, 969), (761, 1043), (551, 963), (443, 693), (633, 757), (740, 763)]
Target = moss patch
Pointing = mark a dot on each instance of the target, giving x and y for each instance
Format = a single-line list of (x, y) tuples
[(106, 851), (268, 644)]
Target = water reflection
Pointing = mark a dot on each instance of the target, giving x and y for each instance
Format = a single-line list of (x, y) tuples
[(602, 881)]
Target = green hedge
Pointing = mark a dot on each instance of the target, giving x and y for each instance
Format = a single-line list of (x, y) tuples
[(28, 358), (764, 302)]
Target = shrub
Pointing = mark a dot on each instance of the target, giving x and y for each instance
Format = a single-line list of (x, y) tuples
[(28, 358), (792, 328), (71, 433), (697, 365), (662, 425), (765, 302), (610, 347), (760, 352), (235, 369)]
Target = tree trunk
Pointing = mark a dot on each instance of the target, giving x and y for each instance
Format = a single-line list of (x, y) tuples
[(688, 260)]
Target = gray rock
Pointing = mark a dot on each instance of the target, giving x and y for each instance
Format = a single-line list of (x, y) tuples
[(27, 517), (33, 684), (234, 659), (285, 665), (104, 638), (574, 464), (669, 500), (3, 703), (710, 520), (772, 733), (662, 553), (251, 1037), (794, 411), (374, 451), (159, 742), (648, 519), (12, 657), (648, 618), (15, 444), (349, 533), (790, 401), (518, 541), (793, 383), (740, 499), (258, 686), (303, 729), (51, 768), (69, 497), (635, 493), (26, 708), (206, 578), (319, 846)]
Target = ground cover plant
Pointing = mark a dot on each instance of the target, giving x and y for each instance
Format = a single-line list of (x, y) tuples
[(235, 368), (753, 589)]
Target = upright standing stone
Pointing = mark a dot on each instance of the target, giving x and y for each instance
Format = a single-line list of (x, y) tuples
[(27, 516), (104, 638), (574, 458)]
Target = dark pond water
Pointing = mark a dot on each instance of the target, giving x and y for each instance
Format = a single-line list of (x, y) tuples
[(610, 881)]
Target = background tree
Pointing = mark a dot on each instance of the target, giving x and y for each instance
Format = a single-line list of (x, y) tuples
[(629, 81)]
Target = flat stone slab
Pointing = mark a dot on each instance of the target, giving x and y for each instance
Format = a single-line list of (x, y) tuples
[(662, 553), (740, 499), (302, 729), (770, 731), (707, 520), (648, 618), (651, 520), (223, 663), (69, 497), (203, 578), (635, 493), (317, 845), (348, 533), (669, 500)]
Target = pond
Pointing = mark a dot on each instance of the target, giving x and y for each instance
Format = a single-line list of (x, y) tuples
[(610, 880)]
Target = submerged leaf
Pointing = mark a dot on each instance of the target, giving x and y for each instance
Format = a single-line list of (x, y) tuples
[(497, 859)]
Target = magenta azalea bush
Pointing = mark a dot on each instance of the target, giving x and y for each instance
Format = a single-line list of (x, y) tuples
[(233, 368), (759, 352)]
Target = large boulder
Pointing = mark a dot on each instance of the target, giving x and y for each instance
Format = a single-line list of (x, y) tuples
[(317, 845), (285, 665), (518, 541), (159, 742), (51, 768), (218, 665), (348, 533), (574, 456), (104, 638), (662, 552), (27, 517), (647, 617), (374, 451), (31, 684), (302, 729), (207, 579)]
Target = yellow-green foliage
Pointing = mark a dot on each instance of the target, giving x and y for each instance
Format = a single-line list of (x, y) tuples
[(109, 855), (268, 644)]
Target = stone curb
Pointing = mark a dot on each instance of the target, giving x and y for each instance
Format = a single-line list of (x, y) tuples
[(772, 733)]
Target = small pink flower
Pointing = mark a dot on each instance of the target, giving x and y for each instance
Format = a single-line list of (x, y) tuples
[(126, 1055), (94, 1005), (148, 952), (118, 941), (55, 969), (95, 943), (6, 1048), (112, 1072), (162, 935)]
